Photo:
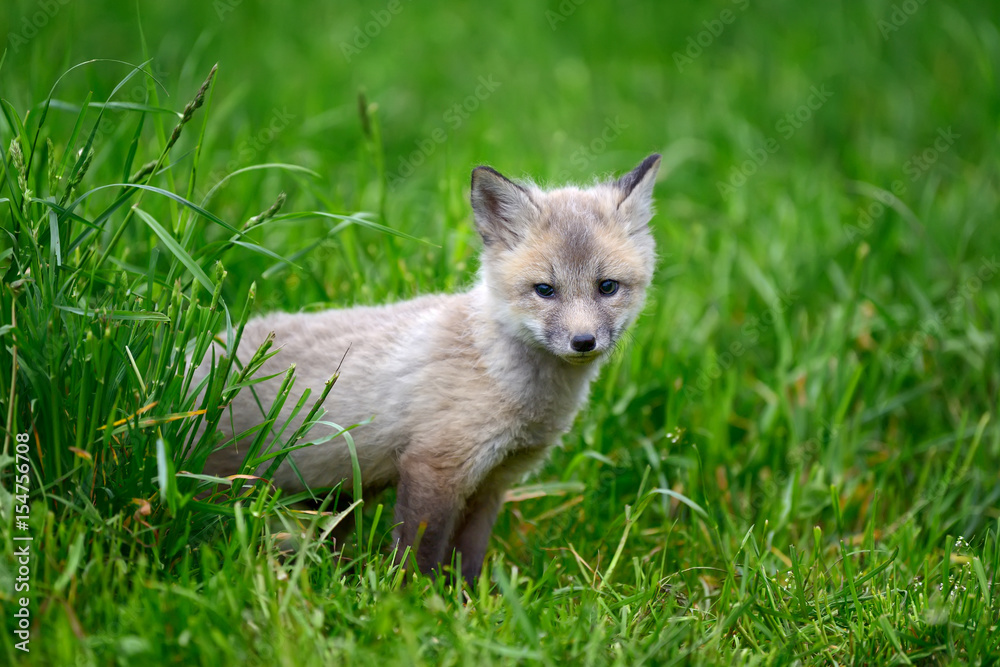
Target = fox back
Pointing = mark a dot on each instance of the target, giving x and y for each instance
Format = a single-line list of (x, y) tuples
[(463, 394)]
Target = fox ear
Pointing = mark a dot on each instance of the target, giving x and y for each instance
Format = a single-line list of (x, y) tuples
[(636, 189), (502, 208)]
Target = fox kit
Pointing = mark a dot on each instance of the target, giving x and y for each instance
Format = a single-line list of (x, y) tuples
[(468, 391)]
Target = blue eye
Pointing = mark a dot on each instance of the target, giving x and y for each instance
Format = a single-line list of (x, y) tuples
[(608, 287), (545, 291)]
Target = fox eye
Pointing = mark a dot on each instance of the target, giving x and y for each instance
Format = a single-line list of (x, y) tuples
[(544, 291), (608, 287)]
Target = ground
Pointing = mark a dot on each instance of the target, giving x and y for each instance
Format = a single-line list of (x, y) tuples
[(796, 458)]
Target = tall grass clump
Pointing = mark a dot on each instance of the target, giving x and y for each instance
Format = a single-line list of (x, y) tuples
[(112, 295)]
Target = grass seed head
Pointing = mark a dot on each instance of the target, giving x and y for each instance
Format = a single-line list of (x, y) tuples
[(77, 178), (267, 214), (144, 171), (53, 177), (17, 161), (192, 106)]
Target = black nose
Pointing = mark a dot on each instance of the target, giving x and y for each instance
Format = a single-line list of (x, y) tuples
[(583, 342)]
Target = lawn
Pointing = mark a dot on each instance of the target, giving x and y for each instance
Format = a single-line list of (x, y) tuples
[(796, 459)]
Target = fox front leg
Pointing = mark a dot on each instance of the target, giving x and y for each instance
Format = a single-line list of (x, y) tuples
[(472, 536), (426, 510)]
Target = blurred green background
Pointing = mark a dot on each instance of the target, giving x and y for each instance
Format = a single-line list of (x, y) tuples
[(706, 83), (562, 73)]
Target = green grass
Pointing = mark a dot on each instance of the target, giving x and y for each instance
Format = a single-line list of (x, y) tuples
[(796, 459)]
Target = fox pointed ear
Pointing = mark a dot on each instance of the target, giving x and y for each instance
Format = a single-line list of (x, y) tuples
[(636, 189), (502, 208)]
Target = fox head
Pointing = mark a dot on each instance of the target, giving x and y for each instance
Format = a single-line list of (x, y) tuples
[(566, 270)]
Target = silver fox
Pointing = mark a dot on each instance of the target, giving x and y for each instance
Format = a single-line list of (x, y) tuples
[(468, 390)]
